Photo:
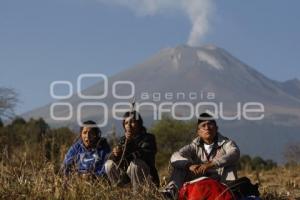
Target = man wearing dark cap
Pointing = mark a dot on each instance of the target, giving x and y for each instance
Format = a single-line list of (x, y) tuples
[(133, 160), (209, 155)]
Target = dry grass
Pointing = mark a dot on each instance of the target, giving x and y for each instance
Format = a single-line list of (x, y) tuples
[(24, 178), (279, 183)]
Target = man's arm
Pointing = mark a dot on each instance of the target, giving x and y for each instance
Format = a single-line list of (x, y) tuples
[(184, 157), (69, 159), (145, 149), (231, 157)]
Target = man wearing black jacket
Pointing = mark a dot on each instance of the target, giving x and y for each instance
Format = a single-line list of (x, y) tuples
[(134, 158)]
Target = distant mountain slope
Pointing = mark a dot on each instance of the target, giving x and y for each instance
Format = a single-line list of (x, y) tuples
[(203, 70)]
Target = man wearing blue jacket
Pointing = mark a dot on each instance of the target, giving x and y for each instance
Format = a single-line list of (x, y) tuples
[(88, 154)]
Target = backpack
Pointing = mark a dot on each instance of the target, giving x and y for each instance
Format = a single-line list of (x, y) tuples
[(205, 189), (243, 188)]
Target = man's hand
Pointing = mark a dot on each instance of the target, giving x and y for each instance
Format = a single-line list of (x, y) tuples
[(193, 168), (117, 151), (201, 168), (204, 167), (128, 135)]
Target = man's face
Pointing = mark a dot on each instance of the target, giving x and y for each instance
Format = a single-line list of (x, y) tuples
[(131, 125), (207, 131), (88, 136)]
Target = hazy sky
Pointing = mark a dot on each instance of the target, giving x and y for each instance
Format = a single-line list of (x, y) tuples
[(46, 40)]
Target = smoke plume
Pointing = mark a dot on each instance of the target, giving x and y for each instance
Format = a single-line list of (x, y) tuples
[(199, 13)]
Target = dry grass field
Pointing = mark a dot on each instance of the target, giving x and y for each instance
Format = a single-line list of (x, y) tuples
[(24, 178), (278, 183)]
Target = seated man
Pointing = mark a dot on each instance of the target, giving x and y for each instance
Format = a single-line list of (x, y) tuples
[(89, 153), (133, 160), (210, 155)]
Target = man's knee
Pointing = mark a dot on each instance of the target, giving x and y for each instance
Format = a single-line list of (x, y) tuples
[(137, 166), (109, 165)]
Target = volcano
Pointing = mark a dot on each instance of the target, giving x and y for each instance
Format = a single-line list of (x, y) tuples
[(192, 75)]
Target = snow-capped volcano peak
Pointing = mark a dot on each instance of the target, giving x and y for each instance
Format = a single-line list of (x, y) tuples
[(209, 59), (209, 56), (183, 55)]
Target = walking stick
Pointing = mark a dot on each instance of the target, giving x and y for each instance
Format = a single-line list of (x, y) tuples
[(126, 140)]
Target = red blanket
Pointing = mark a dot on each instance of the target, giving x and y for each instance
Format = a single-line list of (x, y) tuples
[(205, 189)]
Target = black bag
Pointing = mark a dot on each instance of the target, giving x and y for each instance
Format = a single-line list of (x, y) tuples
[(243, 187)]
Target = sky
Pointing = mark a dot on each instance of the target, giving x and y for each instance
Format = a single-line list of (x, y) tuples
[(42, 41)]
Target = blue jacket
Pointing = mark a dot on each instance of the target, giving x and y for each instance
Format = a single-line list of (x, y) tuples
[(87, 160)]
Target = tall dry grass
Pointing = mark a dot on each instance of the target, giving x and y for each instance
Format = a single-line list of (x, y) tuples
[(23, 176), (282, 183)]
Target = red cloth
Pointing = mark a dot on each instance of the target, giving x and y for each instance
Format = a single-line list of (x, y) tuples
[(205, 189)]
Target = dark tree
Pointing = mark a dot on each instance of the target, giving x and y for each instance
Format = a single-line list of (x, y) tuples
[(8, 101), (292, 152), (1, 122)]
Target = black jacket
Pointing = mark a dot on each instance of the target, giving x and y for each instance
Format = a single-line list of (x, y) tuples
[(142, 146)]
